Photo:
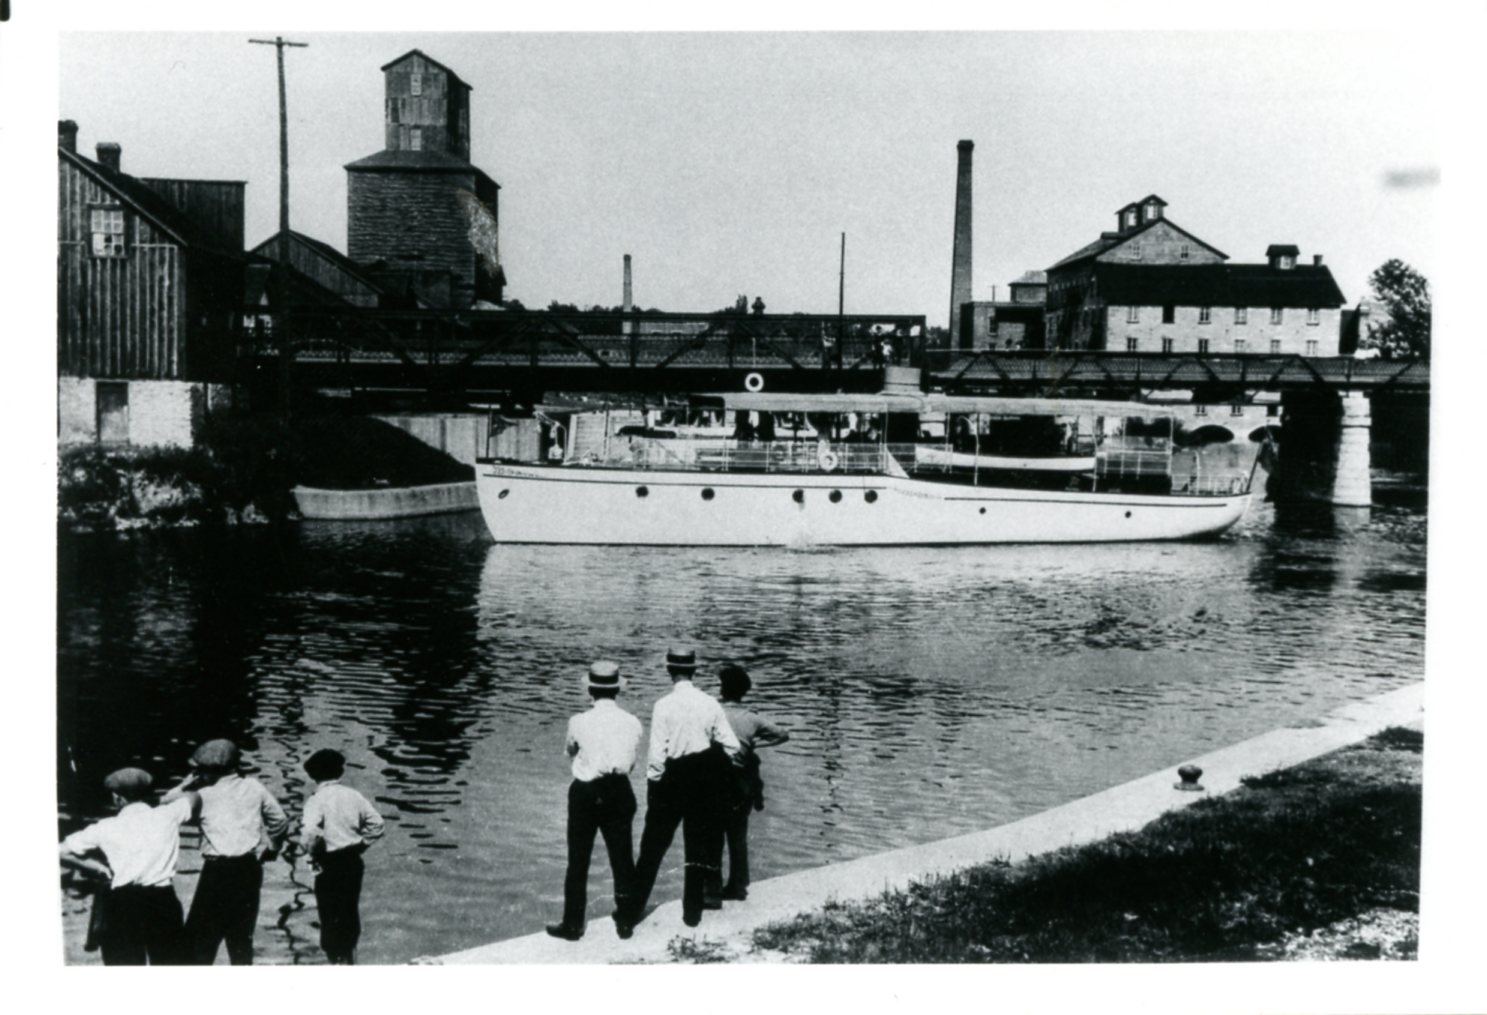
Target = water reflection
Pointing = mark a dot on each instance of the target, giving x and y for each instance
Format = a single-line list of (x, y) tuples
[(929, 691)]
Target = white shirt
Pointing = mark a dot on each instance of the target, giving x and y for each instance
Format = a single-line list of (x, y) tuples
[(603, 740), (235, 812), (340, 817), (685, 722), (141, 843)]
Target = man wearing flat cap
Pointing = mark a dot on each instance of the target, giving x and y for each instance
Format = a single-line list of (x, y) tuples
[(603, 744), (136, 914), (236, 815), (687, 772)]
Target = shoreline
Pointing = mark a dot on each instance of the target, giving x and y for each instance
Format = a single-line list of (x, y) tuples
[(662, 937)]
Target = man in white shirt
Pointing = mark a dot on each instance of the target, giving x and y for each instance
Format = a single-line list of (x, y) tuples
[(604, 743), (136, 914), (687, 771), (338, 826), (236, 814)]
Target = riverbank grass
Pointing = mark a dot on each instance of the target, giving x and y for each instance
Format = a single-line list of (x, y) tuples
[(1319, 860)]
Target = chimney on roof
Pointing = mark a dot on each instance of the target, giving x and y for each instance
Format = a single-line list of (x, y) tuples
[(109, 154), (960, 267), (67, 135), (1316, 259)]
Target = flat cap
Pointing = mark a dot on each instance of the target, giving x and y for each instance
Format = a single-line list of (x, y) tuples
[(216, 754), (128, 782)]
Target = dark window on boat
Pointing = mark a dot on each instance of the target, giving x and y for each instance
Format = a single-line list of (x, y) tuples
[(870, 496), (836, 496), (799, 496), (502, 495), (707, 493), (642, 491)]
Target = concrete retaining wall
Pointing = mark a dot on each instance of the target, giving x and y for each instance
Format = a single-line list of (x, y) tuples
[(391, 502)]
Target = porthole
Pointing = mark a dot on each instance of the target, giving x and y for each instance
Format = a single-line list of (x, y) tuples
[(983, 511), (502, 495), (798, 496), (707, 493), (1128, 514), (836, 496), (870, 496), (642, 491)]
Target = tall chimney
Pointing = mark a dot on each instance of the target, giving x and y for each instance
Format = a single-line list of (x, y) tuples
[(629, 303), (109, 154), (960, 270), (67, 135)]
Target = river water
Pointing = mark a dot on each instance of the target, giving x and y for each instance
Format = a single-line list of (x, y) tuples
[(929, 692)]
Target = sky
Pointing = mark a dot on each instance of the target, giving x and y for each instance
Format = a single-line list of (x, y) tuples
[(732, 163)]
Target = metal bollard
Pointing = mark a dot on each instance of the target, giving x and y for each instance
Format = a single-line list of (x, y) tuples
[(1190, 775)]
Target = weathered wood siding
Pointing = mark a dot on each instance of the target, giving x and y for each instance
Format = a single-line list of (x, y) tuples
[(441, 110), (116, 316), (215, 207)]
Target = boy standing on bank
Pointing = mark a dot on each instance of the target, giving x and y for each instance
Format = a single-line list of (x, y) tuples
[(136, 914), (339, 825), (236, 814), (753, 732), (604, 743)]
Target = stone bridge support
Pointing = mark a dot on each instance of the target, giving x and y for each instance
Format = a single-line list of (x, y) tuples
[(1351, 485), (1324, 454)]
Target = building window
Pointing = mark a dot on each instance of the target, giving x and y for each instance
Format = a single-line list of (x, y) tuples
[(1313, 315), (1271, 411), (1200, 410), (1311, 347), (113, 412), (1133, 344), (1277, 314), (1241, 315), (1274, 346), (1236, 409), (1205, 315), (415, 84), (1133, 315), (1287, 262), (1203, 346), (415, 139), (1169, 314), (107, 227), (1182, 252), (1135, 251), (1166, 345), (1240, 345)]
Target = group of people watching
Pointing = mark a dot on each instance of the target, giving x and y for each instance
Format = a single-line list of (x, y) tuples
[(702, 775), (136, 916)]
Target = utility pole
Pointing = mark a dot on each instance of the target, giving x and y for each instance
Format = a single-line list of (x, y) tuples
[(281, 297), (841, 303)]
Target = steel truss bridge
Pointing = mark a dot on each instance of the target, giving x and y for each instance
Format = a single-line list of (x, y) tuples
[(477, 354)]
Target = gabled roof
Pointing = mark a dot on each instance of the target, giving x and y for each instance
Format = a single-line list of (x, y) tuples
[(139, 197), (1033, 277), (325, 250), (1220, 285), (1149, 198), (418, 52), (1109, 241), (1283, 250)]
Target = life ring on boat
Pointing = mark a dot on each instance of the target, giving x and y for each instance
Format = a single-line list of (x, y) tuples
[(827, 461), (754, 382)]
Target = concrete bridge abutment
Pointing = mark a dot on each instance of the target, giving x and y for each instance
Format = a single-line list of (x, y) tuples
[(1324, 454)]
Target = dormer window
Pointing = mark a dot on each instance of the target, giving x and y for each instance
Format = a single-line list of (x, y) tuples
[(1287, 262), (415, 84), (107, 228), (1130, 218), (1153, 211)]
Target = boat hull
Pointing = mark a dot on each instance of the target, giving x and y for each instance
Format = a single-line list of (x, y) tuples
[(605, 506)]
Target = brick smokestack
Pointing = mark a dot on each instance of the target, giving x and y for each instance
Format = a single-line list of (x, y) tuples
[(960, 270), (109, 154), (629, 303), (67, 135)]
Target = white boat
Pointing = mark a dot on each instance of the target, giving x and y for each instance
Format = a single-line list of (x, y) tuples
[(643, 491)]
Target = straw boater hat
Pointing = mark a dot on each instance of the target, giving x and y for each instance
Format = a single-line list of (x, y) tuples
[(604, 675), (681, 659)]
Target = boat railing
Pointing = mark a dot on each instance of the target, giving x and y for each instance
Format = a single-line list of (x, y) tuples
[(731, 455)]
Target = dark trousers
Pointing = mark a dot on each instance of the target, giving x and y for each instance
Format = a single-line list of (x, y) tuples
[(135, 924), (605, 806), (338, 901), (225, 908), (736, 831), (690, 793)]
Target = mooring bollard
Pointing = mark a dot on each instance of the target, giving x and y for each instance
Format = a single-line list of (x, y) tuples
[(1190, 775)]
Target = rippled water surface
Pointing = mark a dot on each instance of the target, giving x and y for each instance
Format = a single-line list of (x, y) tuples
[(929, 692)]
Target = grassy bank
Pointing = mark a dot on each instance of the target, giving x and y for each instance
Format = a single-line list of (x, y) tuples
[(242, 471), (1320, 860)]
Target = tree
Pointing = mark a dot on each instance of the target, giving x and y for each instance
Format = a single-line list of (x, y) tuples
[(1405, 294)]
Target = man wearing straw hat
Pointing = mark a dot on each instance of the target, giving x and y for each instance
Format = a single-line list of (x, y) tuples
[(687, 771), (603, 743)]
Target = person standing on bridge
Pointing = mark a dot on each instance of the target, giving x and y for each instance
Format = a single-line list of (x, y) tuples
[(688, 769), (604, 743)]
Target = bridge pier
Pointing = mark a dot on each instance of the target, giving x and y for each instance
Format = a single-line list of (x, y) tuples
[(1324, 454)]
